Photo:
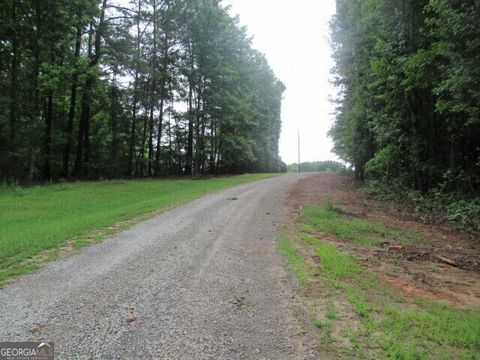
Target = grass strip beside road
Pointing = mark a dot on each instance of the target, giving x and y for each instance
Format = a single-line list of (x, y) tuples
[(357, 314), (37, 223)]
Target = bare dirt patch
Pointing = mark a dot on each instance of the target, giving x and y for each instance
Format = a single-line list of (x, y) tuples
[(444, 266)]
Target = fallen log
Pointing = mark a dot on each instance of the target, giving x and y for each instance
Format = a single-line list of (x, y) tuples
[(447, 260)]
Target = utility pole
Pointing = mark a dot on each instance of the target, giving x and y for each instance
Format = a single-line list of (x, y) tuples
[(299, 151)]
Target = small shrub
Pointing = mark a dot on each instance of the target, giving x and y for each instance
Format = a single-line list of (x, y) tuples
[(465, 213), (439, 205)]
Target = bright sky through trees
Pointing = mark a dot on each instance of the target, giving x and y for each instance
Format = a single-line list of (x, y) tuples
[(295, 38)]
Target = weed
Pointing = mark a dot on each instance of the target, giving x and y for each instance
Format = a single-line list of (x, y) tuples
[(329, 220), (391, 325)]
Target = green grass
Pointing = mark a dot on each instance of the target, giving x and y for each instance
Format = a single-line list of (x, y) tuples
[(294, 259), (329, 220), (391, 326), (41, 219)]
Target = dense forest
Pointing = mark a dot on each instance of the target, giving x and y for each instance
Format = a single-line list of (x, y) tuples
[(315, 166), (408, 74), (105, 89)]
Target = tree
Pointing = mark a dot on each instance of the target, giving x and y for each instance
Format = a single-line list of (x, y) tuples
[(408, 78), (154, 87)]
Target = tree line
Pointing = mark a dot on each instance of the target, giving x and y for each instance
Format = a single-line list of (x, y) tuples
[(94, 88), (317, 166), (408, 74)]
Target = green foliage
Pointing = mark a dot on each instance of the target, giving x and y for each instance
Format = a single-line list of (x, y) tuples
[(409, 78), (93, 90), (438, 205), (317, 166), (382, 164), (465, 213), (39, 219)]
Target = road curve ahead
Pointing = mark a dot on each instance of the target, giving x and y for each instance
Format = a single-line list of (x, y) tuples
[(202, 281)]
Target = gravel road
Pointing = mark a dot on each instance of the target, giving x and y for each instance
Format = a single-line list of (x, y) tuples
[(202, 281)]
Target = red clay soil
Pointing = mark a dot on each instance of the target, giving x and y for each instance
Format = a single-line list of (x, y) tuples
[(445, 267)]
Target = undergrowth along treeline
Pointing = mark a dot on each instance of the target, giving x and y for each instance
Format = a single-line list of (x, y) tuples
[(98, 88), (408, 114)]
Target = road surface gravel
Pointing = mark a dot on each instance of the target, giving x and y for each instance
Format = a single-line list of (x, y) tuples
[(202, 281)]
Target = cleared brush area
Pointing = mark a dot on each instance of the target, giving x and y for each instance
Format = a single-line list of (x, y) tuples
[(374, 287)]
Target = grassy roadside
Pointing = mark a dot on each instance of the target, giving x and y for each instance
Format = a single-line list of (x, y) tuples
[(357, 314), (38, 224)]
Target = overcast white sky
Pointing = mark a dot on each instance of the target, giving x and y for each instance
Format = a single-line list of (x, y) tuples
[(294, 37)]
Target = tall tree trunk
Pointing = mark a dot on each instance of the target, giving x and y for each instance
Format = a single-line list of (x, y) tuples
[(84, 125), (82, 128), (152, 91), (170, 150), (159, 138), (36, 94), (162, 106), (11, 146), (453, 153), (114, 128), (141, 173), (202, 149), (178, 147), (213, 147), (150, 143), (189, 163), (131, 150), (48, 137), (197, 134), (13, 80), (219, 155), (84, 112), (202, 138), (86, 143), (73, 101)]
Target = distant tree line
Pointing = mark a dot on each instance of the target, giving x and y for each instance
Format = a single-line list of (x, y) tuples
[(89, 89), (317, 166), (409, 78)]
